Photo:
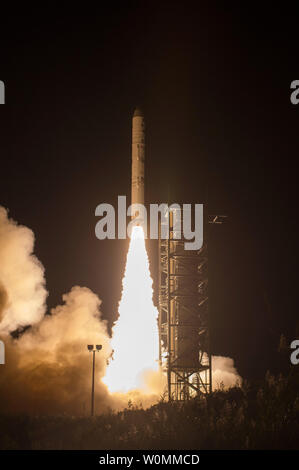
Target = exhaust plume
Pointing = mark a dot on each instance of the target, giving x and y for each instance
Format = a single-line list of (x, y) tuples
[(22, 284), (224, 373), (48, 369)]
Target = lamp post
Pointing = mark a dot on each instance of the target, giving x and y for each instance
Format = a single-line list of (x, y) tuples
[(93, 349)]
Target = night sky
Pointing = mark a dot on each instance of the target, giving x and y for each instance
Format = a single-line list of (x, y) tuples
[(215, 89)]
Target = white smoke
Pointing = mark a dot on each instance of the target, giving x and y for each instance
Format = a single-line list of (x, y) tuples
[(22, 284), (224, 373), (48, 369)]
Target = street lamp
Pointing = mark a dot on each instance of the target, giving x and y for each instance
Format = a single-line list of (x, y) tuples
[(91, 348)]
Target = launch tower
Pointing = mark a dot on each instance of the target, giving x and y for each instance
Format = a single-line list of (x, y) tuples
[(184, 316)]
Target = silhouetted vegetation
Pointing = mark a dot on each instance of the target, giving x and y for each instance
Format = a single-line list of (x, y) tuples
[(255, 416)]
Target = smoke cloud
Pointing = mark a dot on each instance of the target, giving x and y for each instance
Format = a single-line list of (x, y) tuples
[(224, 373), (48, 369), (22, 284)]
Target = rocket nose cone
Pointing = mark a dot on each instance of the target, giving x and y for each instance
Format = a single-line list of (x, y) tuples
[(138, 112)]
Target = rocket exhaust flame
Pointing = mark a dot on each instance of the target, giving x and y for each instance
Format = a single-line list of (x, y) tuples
[(135, 334)]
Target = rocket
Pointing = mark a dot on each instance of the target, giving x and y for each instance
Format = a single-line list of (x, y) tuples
[(138, 153)]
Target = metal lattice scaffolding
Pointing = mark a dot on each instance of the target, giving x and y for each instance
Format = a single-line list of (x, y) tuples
[(184, 318)]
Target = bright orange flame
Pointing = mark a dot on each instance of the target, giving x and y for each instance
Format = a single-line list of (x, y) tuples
[(135, 334)]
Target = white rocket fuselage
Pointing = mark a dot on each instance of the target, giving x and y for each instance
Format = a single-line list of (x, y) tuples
[(138, 154)]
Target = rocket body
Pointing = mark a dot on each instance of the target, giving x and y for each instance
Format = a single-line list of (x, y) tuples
[(138, 154)]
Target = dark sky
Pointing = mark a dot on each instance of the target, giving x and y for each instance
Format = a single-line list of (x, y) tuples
[(215, 88)]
